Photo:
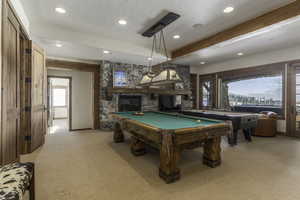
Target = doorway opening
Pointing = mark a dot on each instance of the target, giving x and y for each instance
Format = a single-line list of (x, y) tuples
[(59, 104)]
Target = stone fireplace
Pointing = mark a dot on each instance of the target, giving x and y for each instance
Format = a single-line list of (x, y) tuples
[(117, 102)]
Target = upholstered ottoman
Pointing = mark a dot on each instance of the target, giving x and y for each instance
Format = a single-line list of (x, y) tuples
[(266, 125), (15, 179)]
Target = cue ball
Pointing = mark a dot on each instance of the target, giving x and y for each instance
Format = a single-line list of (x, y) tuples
[(198, 120)]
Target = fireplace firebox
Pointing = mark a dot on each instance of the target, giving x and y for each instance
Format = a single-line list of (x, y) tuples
[(169, 103), (130, 103)]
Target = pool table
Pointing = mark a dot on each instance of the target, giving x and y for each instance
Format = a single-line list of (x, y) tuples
[(240, 121), (171, 134)]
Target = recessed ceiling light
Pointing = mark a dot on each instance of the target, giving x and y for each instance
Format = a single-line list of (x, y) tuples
[(228, 9), (150, 59), (240, 54), (202, 63), (106, 52), (60, 10), (122, 22), (176, 36), (58, 45), (196, 26)]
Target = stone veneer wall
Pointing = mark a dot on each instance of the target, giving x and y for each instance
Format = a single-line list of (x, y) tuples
[(134, 75)]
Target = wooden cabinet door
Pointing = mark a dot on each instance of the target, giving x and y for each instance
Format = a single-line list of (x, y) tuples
[(38, 97), (10, 87)]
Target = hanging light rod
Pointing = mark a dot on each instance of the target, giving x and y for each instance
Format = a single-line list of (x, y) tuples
[(165, 75), (161, 24)]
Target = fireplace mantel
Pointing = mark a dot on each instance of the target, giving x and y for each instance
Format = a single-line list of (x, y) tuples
[(112, 91)]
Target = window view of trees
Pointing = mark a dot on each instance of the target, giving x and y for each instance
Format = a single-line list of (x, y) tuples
[(297, 102), (262, 91), (298, 94), (206, 87), (206, 91)]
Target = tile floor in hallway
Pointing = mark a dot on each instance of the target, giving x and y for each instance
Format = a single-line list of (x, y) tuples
[(59, 126)]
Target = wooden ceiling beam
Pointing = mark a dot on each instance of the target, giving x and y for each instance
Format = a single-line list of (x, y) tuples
[(286, 12), (72, 65)]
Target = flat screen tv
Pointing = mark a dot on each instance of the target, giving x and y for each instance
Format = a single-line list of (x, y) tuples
[(166, 103)]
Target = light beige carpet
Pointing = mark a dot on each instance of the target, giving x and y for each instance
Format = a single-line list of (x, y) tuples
[(89, 166)]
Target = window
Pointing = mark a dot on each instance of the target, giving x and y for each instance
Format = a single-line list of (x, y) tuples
[(206, 92), (193, 86), (260, 92), (59, 97), (298, 93)]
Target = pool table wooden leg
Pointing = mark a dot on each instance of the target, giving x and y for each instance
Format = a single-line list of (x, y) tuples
[(118, 133), (247, 134), (232, 139), (137, 147), (212, 152), (235, 138), (169, 157)]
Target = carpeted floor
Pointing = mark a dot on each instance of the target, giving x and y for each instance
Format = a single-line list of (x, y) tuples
[(89, 166)]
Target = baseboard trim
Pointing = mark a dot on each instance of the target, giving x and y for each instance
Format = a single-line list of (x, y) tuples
[(281, 133), (81, 129)]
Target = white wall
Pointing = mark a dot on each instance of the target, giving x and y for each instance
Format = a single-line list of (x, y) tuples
[(254, 60), (250, 61), (21, 13), (82, 97)]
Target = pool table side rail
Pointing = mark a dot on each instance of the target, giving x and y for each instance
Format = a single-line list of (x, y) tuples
[(204, 129), (144, 125), (189, 116), (115, 114), (177, 131), (221, 112), (150, 134)]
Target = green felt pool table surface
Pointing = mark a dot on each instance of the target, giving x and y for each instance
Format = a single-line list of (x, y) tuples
[(169, 121)]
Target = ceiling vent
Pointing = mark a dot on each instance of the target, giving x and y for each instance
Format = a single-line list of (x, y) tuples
[(161, 24)]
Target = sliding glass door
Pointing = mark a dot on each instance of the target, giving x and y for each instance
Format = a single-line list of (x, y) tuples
[(293, 100), (293, 115), (297, 102)]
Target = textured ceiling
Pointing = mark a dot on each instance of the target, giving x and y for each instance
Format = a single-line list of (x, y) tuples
[(90, 26)]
